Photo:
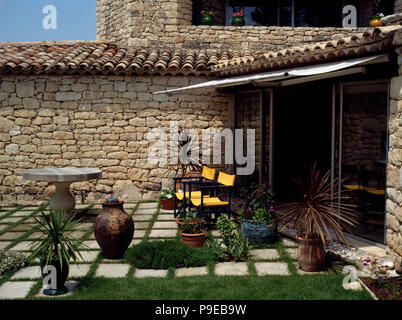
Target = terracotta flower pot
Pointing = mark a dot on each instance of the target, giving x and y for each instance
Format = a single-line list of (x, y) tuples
[(114, 230), (193, 240), (311, 254), (375, 23), (167, 204)]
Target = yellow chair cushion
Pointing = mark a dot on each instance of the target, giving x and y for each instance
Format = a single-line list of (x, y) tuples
[(353, 187), (194, 194), (209, 202), (208, 173), (374, 191), (226, 179)]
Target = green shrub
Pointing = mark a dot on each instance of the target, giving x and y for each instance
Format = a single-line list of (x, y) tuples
[(11, 260), (168, 253)]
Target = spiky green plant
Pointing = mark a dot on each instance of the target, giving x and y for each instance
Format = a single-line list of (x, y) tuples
[(323, 208), (56, 240)]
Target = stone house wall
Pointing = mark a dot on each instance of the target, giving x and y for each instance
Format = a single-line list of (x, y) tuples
[(94, 121), (394, 180)]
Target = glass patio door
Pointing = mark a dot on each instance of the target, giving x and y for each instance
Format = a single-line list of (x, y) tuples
[(361, 157)]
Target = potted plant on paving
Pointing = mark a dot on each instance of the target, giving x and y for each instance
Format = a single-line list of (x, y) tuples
[(322, 209), (192, 231), (258, 214), (55, 247), (167, 199)]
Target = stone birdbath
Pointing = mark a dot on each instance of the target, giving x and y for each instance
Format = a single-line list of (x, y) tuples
[(62, 179)]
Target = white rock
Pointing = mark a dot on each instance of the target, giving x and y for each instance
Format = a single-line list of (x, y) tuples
[(356, 286)]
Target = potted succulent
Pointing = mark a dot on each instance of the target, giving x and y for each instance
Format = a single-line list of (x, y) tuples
[(375, 21), (322, 209), (55, 247), (238, 17), (192, 231), (167, 199)]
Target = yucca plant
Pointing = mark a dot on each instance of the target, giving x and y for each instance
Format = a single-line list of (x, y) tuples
[(56, 241), (322, 209)]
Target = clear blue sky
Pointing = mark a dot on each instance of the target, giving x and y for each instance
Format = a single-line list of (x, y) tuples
[(22, 20)]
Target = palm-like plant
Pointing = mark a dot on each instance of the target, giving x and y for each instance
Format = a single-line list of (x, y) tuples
[(56, 241), (187, 147), (322, 209)]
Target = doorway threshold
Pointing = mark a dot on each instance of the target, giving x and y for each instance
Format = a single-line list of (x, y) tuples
[(369, 246)]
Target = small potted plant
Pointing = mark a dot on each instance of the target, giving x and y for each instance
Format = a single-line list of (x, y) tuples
[(238, 17), (167, 199), (258, 215), (323, 208), (192, 231), (375, 21), (208, 13), (55, 247)]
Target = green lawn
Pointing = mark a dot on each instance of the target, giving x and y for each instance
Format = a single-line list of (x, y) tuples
[(306, 287)]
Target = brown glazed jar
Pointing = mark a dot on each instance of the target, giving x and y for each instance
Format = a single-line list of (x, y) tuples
[(113, 229)]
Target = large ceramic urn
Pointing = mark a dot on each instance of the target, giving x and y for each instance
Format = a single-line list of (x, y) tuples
[(114, 229)]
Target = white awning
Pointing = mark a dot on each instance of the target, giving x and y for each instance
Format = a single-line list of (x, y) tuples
[(314, 70)]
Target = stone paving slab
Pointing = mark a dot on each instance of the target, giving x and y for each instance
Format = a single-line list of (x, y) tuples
[(148, 273), (134, 242), (163, 233), (22, 213), (148, 205), (292, 252), (78, 270), (264, 254), (289, 243), (141, 225), (129, 205), (141, 217), (145, 211), (15, 289), (88, 256), (190, 272), (70, 285), (31, 272), (301, 272), (109, 270), (22, 246), (11, 219), (11, 235), (272, 268), (90, 244), (166, 217), (231, 269), (164, 225), (3, 226), (139, 234), (4, 244), (22, 227), (166, 211)]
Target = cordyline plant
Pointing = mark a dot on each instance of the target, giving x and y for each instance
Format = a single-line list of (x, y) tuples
[(323, 208), (56, 240)]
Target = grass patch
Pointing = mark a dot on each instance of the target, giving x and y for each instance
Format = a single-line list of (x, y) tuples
[(317, 287), (168, 253)]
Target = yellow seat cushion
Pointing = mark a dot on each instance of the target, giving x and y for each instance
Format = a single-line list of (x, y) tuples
[(194, 194), (209, 202), (374, 191), (353, 187), (208, 173), (226, 179)]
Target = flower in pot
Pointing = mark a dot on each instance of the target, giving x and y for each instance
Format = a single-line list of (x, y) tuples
[(322, 210), (55, 247), (208, 17), (238, 17), (258, 213), (167, 199), (375, 21), (192, 231)]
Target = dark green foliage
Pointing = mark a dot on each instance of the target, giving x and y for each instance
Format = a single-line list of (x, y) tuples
[(168, 253)]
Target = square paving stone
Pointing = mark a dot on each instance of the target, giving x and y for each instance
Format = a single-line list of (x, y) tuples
[(272, 268), (88, 256), (292, 252), (264, 254), (190, 272), (139, 234), (134, 242), (70, 285), (90, 244), (129, 205), (22, 246), (141, 217), (145, 211), (3, 226), (164, 225), (22, 213), (289, 243), (141, 225), (147, 273), (11, 235), (163, 233), (78, 270), (166, 217), (86, 226), (231, 269), (22, 227), (112, 270), (15, 289), (148, 205), (166, 211), (11, 219), (32, 272), (4, 244)]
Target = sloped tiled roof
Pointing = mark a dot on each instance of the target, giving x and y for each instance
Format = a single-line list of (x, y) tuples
[(105, 57), (366, 43)]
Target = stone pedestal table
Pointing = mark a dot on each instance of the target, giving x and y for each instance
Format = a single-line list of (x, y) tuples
[(62, 179)]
